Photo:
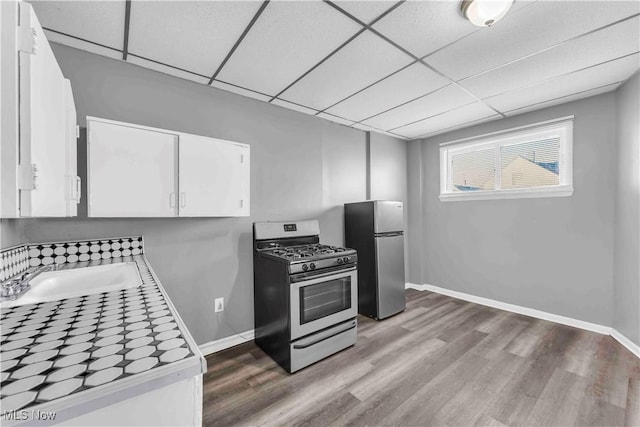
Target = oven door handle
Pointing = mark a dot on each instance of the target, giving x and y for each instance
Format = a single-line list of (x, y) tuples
[(350, 326), (303, 277)]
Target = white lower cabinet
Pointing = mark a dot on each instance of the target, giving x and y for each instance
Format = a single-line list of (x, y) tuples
[(138, 171), (178, 404)]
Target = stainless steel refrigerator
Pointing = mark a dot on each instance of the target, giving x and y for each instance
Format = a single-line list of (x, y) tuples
[(375, 230)]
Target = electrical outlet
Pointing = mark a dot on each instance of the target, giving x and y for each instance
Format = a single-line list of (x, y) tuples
[(219, 304)]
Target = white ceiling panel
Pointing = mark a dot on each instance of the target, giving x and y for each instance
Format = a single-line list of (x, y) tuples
[(166, 70), (365, 10), (97, 21), (542, 53), (403, 86), (458, 126), (444, 99), (462, 116), (292, 106), (424, 26), (82, 45), (365, 60), (365, 128), (286, 41), (193, 35), (611, 72), (335, 119), (394, 135), (611, 43), (564, 99), (527, 31), (240, 91)]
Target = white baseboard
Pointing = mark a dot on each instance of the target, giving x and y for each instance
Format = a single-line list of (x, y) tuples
[(630, 345), (227, 342), (538, 314)]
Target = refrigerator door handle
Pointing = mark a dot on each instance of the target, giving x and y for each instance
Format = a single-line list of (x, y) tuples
[(392, 234)]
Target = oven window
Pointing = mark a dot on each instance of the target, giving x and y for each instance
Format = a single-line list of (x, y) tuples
[(323, 299)]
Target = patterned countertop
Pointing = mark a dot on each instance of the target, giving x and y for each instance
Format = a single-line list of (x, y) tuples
[(56, 349)]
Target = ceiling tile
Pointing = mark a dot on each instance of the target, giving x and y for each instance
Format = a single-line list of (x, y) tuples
[(286, 41), (193, 35), (525, 32), (292, 106), (54, 37), (461, 125), (564, 99), (611, 72), (442, 100), (166, 69), (365, 10), (365, 60), (240, 91), (96, 21), (335, 119), (424, 26), (403, 86), (612, 43), (364, 127), (460, 117)]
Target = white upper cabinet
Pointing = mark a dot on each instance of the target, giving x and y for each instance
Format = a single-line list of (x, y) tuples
[(138, 171), (72, 179), (213, 177), (132, 172), (38, 122)]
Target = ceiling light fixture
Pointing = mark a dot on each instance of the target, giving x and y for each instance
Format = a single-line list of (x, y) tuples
[(485, 13)]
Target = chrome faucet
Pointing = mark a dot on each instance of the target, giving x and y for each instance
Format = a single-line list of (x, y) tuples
[(14, 288)]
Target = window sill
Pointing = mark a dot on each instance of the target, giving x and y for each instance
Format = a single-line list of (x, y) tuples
[(529, 193)]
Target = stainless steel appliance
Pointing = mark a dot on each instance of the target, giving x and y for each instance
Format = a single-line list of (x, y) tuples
[(305, 293), (375, 230)]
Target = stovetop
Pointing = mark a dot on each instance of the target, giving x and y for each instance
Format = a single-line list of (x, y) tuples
[(307, 253)]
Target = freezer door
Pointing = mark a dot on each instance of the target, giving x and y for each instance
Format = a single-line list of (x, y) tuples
[(387, 216), (390, 270)]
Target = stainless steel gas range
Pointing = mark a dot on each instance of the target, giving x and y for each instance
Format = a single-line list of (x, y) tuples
[(305, 293)]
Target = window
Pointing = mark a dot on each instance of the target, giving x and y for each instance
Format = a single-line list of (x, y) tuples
[(530, 161)]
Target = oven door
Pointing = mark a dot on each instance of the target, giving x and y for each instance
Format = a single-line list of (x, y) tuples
[(321, 301)]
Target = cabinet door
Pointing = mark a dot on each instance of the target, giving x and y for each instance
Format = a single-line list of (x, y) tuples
[(42, 125), (72, 179), (214, 177), (131, 171)]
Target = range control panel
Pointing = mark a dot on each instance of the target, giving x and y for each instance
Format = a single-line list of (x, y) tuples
[(304, 266)]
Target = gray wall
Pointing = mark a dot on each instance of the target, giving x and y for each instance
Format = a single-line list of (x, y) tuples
[(301, 167), (414, 210), (550, 254), (388, 162), (626, 306), (388, 174)]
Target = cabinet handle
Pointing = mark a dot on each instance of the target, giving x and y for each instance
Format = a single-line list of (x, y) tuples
[(172, 200), (78, 188), (183, 200)]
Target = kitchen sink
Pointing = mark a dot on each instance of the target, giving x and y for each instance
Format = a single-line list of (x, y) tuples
[(62, 284)]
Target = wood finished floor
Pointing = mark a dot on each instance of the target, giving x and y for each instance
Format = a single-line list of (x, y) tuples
[(442, 362)]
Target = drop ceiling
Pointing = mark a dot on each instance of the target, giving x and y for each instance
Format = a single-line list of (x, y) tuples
[(409, 69)]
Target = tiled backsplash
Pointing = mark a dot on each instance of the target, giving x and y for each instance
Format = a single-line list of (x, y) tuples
[(17, 259), (13, 261)]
